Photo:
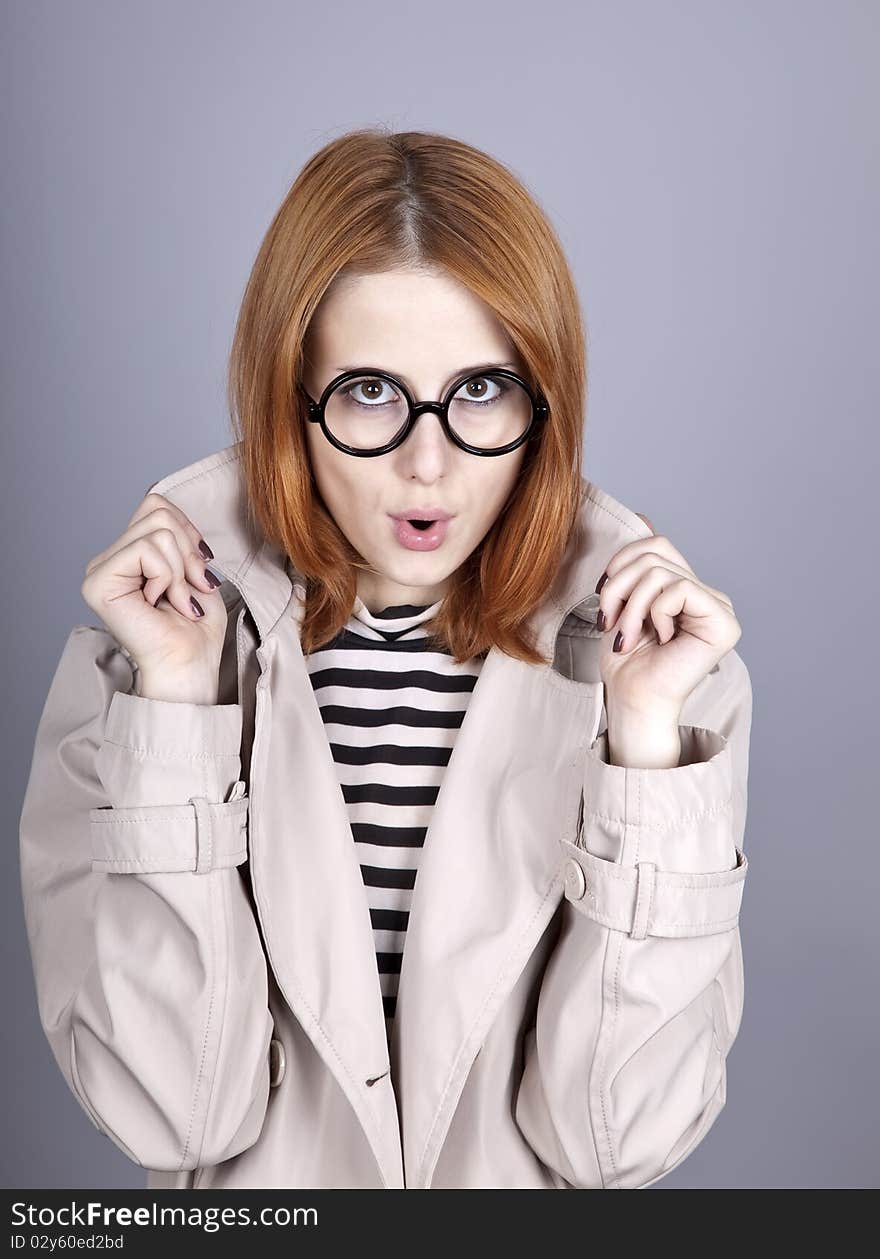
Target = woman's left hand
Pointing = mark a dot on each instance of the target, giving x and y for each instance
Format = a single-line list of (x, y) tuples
[(675, 629)]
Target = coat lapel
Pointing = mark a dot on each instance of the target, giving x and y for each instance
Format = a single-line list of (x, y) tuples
[(488, 883), (490, 874), (310, 892)]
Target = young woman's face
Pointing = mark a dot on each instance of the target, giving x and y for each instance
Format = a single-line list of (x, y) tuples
[(426, 330)]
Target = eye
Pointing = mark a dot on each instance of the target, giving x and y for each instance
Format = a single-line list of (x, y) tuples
[(369, 392), (480, 389)]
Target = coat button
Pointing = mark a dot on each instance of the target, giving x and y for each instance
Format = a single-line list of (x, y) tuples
[(277, 1063), (575, 882)]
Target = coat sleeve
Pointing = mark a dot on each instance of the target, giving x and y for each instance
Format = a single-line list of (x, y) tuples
[(641, 999), (151, 980)]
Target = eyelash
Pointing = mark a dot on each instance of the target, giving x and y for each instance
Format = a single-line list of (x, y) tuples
[(375, 406)]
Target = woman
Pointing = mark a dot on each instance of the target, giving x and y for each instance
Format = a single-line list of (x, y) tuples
[(269, 950)]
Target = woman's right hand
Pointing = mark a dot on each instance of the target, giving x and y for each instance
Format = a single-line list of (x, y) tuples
[(142, 586)]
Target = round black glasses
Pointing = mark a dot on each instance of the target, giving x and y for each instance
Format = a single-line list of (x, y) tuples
[(485, 412)]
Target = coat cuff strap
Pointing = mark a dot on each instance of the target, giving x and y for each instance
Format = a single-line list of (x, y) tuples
[(156, 839), (642, 900)]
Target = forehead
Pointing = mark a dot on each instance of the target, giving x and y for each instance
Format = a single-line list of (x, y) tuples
[(422, 324)]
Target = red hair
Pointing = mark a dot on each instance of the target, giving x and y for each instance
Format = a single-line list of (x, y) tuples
[(374, 201)]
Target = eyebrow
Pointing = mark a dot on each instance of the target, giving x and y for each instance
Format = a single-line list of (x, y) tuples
[(478, 367)]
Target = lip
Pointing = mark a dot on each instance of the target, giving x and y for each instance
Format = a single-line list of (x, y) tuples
[(422, 513), (413, 539)]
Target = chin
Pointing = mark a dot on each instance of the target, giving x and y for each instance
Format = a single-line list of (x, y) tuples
[(416, 574), (416, 570)]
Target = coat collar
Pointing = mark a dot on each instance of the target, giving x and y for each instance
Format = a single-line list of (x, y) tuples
[(211, 492), (491, 872)]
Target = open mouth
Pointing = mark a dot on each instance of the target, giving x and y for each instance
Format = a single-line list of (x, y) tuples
[(420, 535)]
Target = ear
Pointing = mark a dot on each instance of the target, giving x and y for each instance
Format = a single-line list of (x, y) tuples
[(647, 521)]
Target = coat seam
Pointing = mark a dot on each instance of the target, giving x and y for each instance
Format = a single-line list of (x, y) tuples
[(189, 1129), (619, 940), (615, 1177), (675, 822), (171, 484), (113, 820), (222, 893), (596, 1072), (613, 514), (213, 946), (163, 856), (680, 928), (161, 753)]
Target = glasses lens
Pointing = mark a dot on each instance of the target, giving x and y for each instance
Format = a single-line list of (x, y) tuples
[(365, 412), (486, 411), (490, 411)]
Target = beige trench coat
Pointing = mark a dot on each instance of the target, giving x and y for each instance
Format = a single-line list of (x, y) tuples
[(202, 948)]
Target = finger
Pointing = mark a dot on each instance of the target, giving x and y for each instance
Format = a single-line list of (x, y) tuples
[(637, 606), (157, 502), (162, 509), (684, 598), (658, 544), (144, 569), (663, 622), (160, 515), (618, 590), (174, 585), (167, 517)]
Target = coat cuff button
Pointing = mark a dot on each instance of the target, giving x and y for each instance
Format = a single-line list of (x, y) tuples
[(575, 881), (277, 1063)]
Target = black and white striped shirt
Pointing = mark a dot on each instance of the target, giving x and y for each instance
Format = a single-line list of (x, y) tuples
[(391, 704)]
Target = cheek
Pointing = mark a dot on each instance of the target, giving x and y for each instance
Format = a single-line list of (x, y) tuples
[(332, 477), (346, 491), (498, 483)]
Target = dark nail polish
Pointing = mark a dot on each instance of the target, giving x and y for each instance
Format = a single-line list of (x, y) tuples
[(206, 551), (600, 620), (618, 642), (601, 582), (212, 579), (197, 607)]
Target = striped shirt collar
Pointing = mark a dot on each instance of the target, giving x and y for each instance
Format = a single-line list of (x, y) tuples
[(397, 617)]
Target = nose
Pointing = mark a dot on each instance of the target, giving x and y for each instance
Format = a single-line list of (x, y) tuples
[(427, 443)]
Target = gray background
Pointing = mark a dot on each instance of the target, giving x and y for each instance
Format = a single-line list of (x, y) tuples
[(712, 169)]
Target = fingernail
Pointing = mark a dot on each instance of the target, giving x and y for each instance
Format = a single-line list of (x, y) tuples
[(212, 579), (206, 551), (618, 642), (600, 620), (601, 583), (197, 607)]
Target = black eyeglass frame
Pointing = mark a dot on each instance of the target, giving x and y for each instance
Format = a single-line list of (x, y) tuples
[(540, 410)]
